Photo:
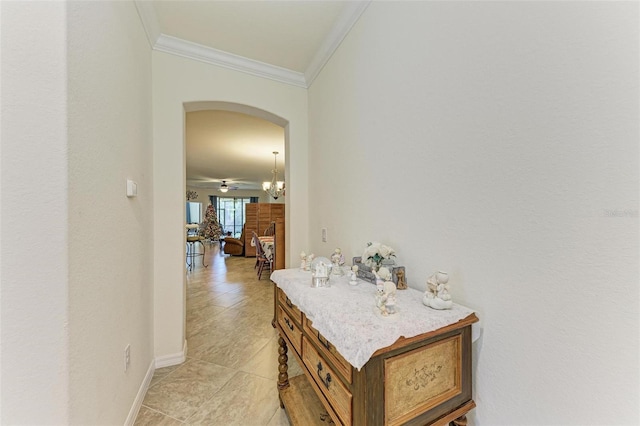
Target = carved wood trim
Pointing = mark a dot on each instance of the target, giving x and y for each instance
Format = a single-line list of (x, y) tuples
[(403, 342)]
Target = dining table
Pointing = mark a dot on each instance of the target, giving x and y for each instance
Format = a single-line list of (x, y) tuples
[(267, 243)]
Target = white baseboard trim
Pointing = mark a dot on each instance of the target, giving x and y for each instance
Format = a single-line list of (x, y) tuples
[(172, 359), (137, 403)]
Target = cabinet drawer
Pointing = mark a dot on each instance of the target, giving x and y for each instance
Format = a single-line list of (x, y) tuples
[(290, 328), (329, 351), (330, 385), (289, 307)]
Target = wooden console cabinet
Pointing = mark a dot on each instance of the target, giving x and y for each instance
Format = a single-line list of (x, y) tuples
[(422, 380)]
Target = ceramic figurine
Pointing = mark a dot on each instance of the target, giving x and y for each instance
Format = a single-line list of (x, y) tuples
[(337, 260), (353, 278), (383, 275), (310, 258), (303, 261), (386, 298), (389, 297), (402, 283), (437, 295)]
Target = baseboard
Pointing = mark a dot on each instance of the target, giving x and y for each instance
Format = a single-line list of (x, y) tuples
[(172, 359), (159, 362), (137, 403)]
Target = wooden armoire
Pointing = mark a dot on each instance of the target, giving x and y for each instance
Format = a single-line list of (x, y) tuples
[(258, 217)]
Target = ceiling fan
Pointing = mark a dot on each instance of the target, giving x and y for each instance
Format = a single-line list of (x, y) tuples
[(224, 187)]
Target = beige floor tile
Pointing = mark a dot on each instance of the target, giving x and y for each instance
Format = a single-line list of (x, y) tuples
[(209, 335), (255, 323), (245, 400), (230, 352), (149, 417), (181, 393), (265, 363), (229, 287), (231, 369), (279, 418), (203, 319), (226, 299), (161, 373)]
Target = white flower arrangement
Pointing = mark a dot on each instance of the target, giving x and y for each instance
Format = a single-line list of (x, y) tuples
[(375, 253)]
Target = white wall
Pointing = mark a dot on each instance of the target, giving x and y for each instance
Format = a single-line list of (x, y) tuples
[(76, 253), (34, 228), (494, 140), (177, 81), (111, 236)]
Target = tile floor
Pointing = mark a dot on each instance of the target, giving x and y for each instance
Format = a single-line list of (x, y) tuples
[(230, 375)]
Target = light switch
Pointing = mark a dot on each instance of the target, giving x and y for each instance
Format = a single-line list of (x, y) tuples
[(324, 235), (132, 188)]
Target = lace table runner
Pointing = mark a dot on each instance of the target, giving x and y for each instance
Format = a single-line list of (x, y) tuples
[(347, 316)]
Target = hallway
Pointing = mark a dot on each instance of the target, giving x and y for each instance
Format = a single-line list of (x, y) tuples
[(230, 373)]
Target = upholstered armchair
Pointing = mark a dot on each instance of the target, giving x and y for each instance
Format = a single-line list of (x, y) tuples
[(234, 246)]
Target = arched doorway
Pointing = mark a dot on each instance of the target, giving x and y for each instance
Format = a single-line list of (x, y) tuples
[(169, 300)]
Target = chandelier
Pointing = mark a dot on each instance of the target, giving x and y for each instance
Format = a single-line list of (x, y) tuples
[(275, 188)]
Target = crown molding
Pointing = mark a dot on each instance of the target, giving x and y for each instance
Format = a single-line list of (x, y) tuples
[(147, 15), (346, 20), (198, 52), (186, 49)]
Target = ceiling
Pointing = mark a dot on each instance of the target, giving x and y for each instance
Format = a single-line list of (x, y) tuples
[(232, 146), (287, 41), (281, 33)]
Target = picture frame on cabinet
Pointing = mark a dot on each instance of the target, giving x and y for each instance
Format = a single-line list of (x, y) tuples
[(398, 273)]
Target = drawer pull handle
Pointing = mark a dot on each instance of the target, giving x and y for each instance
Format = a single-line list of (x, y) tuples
[(324, 342), (288, 303), (327, 379), (288, 323)]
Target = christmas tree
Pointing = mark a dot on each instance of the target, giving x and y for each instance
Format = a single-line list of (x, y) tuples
[(212, 228)]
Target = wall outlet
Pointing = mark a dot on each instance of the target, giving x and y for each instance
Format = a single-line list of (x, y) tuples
[(127, 357), (324, 235)]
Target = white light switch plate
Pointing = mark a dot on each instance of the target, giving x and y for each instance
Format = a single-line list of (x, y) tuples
[(132, 188)]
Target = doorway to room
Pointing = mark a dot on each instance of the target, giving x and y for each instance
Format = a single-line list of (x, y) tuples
[(230, 146), (169, 200)]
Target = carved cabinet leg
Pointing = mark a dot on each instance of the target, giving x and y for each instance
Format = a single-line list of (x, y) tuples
[(275, 306), (460, 421), (283, 377)]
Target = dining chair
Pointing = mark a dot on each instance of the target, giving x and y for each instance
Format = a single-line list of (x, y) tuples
[(261, 258), (271, 230)]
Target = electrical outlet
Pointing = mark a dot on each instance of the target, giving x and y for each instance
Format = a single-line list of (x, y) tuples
[(324, 235), (127, 357)]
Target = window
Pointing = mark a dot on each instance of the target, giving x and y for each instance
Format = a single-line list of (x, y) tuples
[(231, 213), (194, 212)]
